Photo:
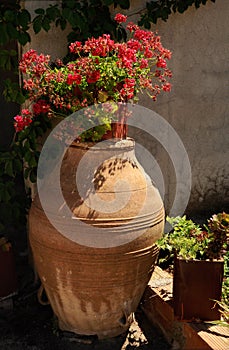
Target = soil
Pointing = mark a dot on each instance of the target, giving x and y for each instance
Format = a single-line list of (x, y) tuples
[(27, 325)]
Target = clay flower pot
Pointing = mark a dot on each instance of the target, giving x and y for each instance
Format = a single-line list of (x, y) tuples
[(95, 284)]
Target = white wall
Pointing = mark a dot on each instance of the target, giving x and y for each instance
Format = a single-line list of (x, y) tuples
[(198, 106), (200, 97)]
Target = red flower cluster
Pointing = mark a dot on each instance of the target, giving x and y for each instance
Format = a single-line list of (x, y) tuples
[(103, 71), (101, 46), (92, 77), (23, 120), (119, 18), (74, 78), (41, 107)]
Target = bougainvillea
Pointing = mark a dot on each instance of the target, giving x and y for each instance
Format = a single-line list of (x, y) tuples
[(102, 71)]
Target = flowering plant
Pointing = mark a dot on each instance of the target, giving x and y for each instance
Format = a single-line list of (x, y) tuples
[(191, 241), (101, 70)]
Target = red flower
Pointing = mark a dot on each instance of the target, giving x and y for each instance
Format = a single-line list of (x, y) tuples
[(129, 82), (22, 121), (119, 18), (141, 34), (31, 60), (131, 27), (102, 70), (134, 44), (100, 46), (74, 78), (75, 47), (161, 63), (166, 87), (148, 53), (40, 107), (93, 77), (127, 91), (144, 63)]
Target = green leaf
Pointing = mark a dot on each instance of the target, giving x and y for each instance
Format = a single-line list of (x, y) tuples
[(62, 22), (12, 53), (24, 38), (18, 98), (3, 62), (40, 11), (46, 24), (53, 12), (9, 168), (18, 165), (9, 16), (33, 176), (37, 24), (4, 194), (32, 162), (66, 13), (124, 4), (12, 92), (108, 2), (27, 156), (70, 4), (12, 31), (3, 34), (24, 19)]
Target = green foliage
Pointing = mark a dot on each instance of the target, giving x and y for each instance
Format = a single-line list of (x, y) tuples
[(224, 310), (190, 241), (13, 199), (16, 164), (12, 92), (8, 60), (85, 21), (218, 228), (162, 9), (45, 17), (14, 23), (186, 239)]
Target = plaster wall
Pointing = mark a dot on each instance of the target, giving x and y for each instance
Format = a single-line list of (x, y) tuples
[(197, 108), (54, 42)]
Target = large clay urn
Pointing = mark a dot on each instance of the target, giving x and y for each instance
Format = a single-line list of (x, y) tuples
[(95, 265)]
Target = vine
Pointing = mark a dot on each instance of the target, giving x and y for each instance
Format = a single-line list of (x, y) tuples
[(162, 9)]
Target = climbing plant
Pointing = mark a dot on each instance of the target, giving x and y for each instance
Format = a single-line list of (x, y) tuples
[(162, 9)]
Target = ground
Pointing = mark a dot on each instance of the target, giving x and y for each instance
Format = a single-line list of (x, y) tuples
[(31, 326)]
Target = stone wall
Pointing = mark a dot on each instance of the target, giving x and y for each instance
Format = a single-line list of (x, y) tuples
[(197, 108)]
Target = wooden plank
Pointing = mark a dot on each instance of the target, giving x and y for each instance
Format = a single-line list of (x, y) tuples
[(215, 335), (157, 306)]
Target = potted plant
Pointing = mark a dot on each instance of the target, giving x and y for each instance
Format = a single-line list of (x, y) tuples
[(97, 71), (198, 265), (94, 284)]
